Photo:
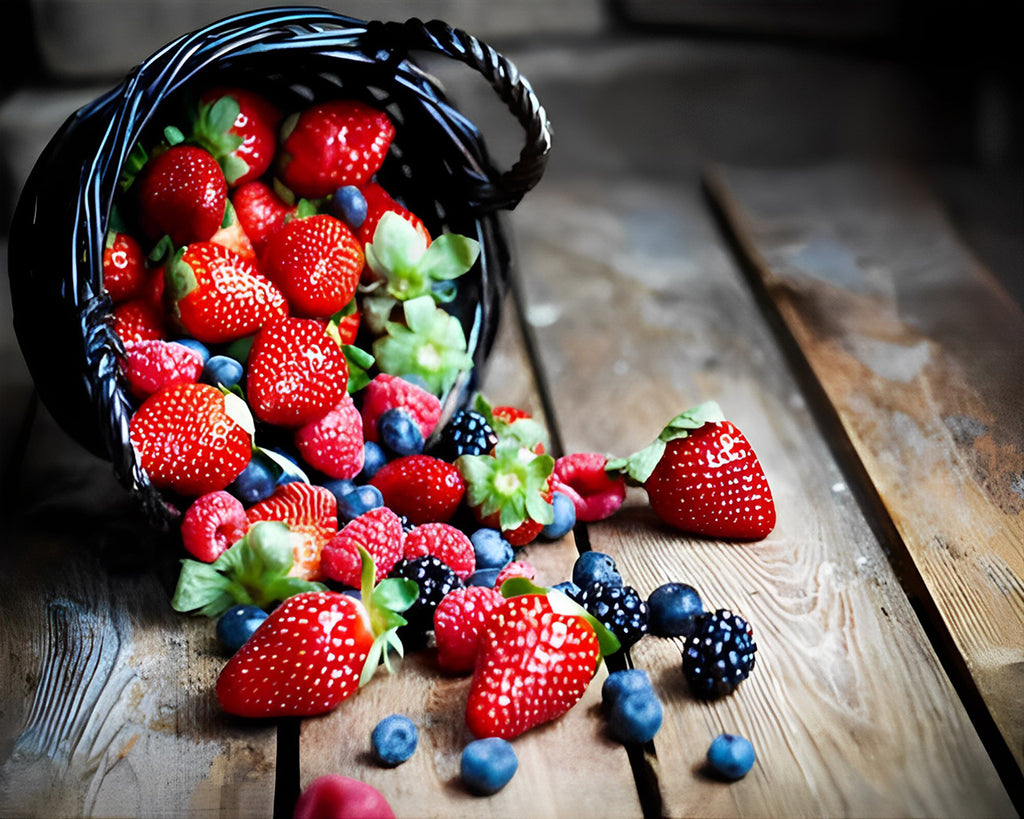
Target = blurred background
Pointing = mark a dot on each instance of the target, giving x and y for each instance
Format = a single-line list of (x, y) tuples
[(640, 87)]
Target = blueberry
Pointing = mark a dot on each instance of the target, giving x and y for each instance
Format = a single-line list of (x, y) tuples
[(635, 716), (255, 482), (222, 370), (731, 756), (491, 549), (361, 499), (398, 433), (623, 683), (673, 609), (570, 589), (595, 567), (565, 517), (237, 624), (196, 346), (488, 765), (393, 740), (349, 205), (483, 577), (373, 459)]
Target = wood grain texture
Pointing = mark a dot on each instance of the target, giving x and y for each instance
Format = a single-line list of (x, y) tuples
[(921, 352), (639, 313)]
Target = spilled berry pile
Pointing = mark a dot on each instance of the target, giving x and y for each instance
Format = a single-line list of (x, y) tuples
[(288, 348)]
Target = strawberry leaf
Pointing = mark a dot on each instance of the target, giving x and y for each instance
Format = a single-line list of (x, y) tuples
[(359, 364), (448, 257), (384, 604)]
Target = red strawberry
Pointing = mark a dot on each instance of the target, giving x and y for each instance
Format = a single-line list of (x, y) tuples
[(260, 212), (533, 665), (379, 202), (334, 143), (245, 139), (212, 523), (297, 372), (124, 267), (316, 262), (333, 796), (232, 235), (702, 476), (595, 493), (421, 488), (311, 513), (379, 531), (458, 619), (218, 296), (152, 364), (333, 443), (188, 440), (444, 541), (386, 392), (181, 193), (138, 319)]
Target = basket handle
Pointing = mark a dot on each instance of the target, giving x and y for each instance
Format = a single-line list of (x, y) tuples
[(436, 36)]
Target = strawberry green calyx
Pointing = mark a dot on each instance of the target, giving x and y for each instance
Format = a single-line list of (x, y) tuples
[(527, 432), (430, 344), (253, 571), (510, 482), (384, 604), (212, 131), (639, 466)]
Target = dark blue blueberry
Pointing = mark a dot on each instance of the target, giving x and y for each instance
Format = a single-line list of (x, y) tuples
[(622, 683), (731, 756), (488, 765), (255, 482), (394, 739), (373, 459), (339, 487), (197, 346), (349, 205), (635, 716), (222, 370), (237, 624), (483, 577), (491, 549), (398, 433), (595, 567), (673, 609), (361, 499), (565, 517)]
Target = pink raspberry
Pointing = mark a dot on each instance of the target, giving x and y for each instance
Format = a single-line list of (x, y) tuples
[(212, 523), (333, 443), (379, 531), (152, 364), (444, 541), (596, 494)]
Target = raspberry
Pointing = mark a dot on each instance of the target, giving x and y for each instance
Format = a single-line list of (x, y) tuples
[(379, 531), (719, 654), (458, 619), (386, 392), (442, 540)]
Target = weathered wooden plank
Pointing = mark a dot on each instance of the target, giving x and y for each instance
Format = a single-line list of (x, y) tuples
[(108, 707), (639, 313), (566, 768), (921, 353)]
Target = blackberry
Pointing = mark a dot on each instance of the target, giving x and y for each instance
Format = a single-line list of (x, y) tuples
[(468, 433), (435, 579), (620, 609), (719, 654)]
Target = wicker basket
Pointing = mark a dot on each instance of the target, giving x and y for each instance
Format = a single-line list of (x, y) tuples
[(437, 165)]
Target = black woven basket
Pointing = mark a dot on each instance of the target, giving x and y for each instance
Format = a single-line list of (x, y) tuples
[(437, 165)]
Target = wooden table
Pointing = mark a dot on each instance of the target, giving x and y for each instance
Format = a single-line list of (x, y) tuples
[(875, 366)]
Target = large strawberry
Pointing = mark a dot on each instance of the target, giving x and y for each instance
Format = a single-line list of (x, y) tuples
[(331, 144), (217, 296), (192, 438), (181, 193), (297, 372), (239, 127), (458, 619), (421, 488), (316, 262), (315, 650), (311, 514), (702, 476)]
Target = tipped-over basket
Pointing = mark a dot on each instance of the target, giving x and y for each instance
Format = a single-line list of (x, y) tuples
[(437, 165)]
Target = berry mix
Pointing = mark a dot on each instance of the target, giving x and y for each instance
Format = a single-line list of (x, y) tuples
[(288, 347)]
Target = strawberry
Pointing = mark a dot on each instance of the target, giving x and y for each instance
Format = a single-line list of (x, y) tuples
[(458, 619), (188, 439), (138, 319), (217, 296), (260, 212), (333, 443), (212, 523), (379, 202), (533, 665), (421, 488), (702, 476), (297, 372), (239, 127), (232, 235), (154, 363), (310, 513), (315, 650), (316, 262), (510, 489), (124, 267), (181, 193), (595, 492), (379, 531), (331, 144), (444, 541), (386, 392)]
